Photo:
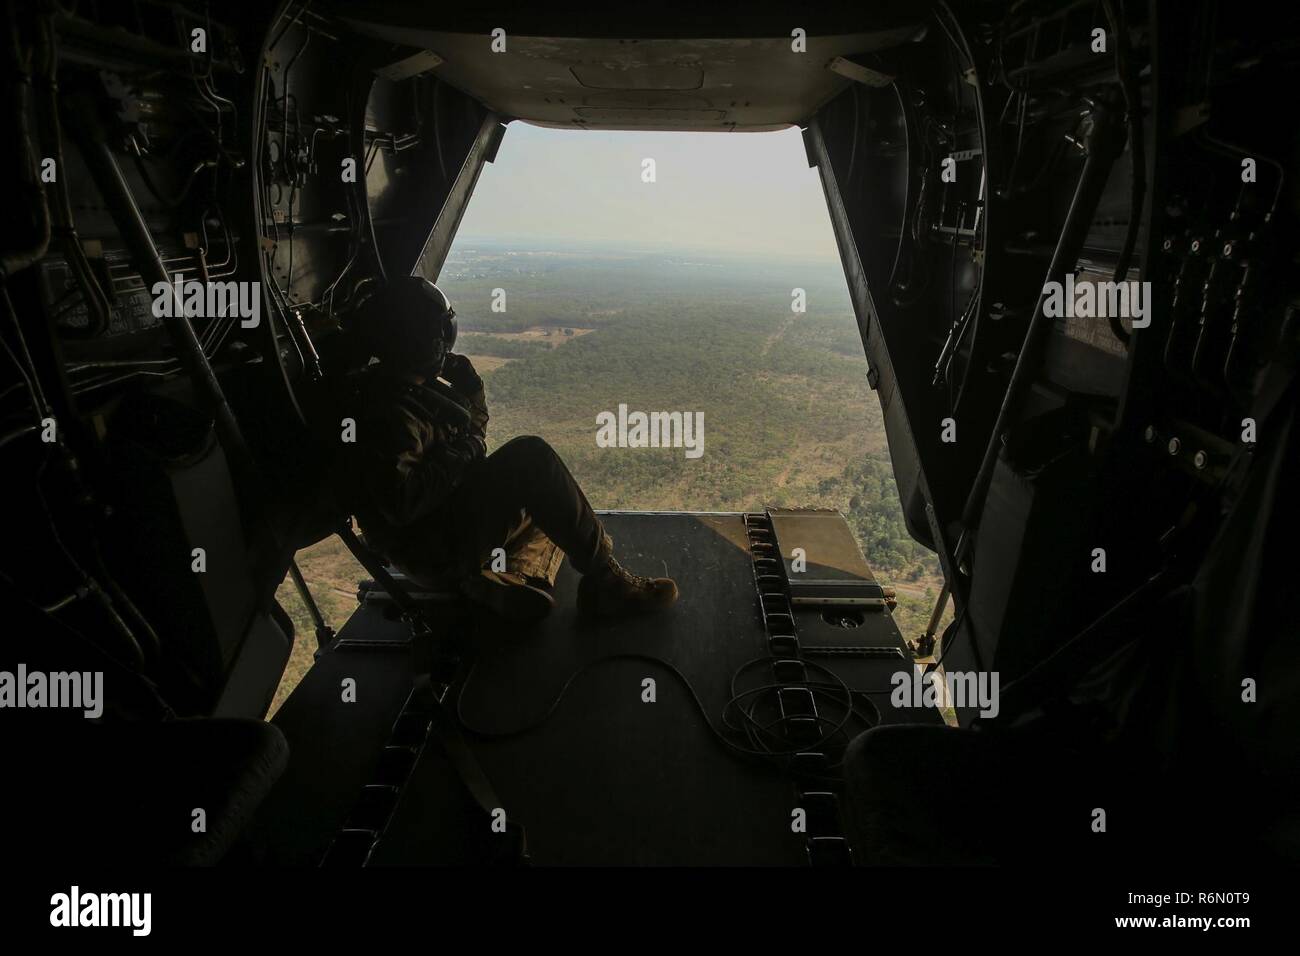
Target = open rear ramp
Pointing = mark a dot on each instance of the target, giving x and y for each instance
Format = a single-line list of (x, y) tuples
[(618, 743)]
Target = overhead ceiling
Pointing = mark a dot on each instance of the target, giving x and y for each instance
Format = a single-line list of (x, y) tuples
[(728, 84)]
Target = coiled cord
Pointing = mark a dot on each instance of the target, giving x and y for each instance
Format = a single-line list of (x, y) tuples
[(765, 740)]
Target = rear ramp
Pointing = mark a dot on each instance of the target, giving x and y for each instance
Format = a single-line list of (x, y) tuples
[(601, 740)]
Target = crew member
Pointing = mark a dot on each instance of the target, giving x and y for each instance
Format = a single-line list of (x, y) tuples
[(433, 502)]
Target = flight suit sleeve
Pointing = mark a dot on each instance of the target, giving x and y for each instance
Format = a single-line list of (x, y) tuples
[(404, 474)]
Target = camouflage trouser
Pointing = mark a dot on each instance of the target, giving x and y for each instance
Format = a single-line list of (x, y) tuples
[(520, 498), (531, 553), (528, 551)]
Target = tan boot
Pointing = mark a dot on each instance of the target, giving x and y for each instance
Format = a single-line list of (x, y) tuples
[(614, 591)]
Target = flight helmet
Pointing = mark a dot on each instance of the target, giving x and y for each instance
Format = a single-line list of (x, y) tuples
[(409, 325)]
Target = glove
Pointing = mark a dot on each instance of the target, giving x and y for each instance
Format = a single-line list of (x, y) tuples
[(459, 371)]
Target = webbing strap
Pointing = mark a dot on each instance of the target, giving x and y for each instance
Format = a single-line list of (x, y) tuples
[(443, 723), (826, 843), (470, 771), (368, 560)]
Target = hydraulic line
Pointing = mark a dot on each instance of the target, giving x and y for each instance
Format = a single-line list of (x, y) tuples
[(97, 303), (135, 234), (1133, 109), (18, 260)]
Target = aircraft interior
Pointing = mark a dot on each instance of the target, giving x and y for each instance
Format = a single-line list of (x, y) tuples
[(1105, 490)]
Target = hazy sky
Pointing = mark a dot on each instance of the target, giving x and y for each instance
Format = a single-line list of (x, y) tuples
[(723, 192)]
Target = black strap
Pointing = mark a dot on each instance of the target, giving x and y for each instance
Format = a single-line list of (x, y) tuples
[(370, 561), (443, 723), (470, 771)]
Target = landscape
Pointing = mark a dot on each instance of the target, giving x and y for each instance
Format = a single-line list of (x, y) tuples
[(580, 328)]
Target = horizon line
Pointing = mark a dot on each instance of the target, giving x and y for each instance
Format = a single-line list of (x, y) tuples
[(656, 245)]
